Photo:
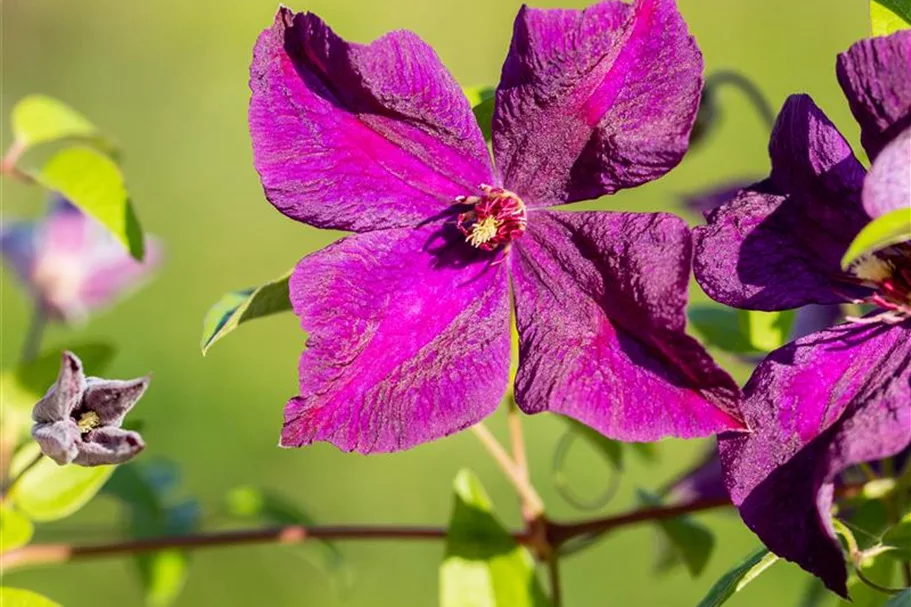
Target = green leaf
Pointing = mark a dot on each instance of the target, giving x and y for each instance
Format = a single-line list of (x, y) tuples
[(720, 328), (481, 99), (687, 541), (17, 597), (737, 578), (766, 331), (252, 503), (23, 386), (484, 566), (15, 529), (48, 492), (884, 231), (902, 599), (94, 183), (40, 119), (889, 16), (237, 307), (879, 570), (899, 537)]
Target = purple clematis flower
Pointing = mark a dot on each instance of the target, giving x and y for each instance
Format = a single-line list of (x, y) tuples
[(409, 318), (840, 396), (78, 420), (71, 264)]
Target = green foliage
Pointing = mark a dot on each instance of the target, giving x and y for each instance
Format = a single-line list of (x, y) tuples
[(886, 230), (481, 99), (889, 16), (17, 597), (252, 503), (145, 490), (48, 492), (484, 566), (737, 578), (237, 307), (902, 599), (40, 119), (741, 331), (686, 540), (878, 569), (766, 331), (94, 183), (15, 529), (899, 538)]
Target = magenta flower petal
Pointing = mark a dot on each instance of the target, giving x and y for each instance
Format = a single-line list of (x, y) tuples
[(601, 327), (594, 101), (874, 74), (408, 343), (817, 406), (779, 243), (355, 137), (888, 185)]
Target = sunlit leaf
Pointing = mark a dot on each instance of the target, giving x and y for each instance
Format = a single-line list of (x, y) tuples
[(899, 537), (884, 231), (238, 307), (94, 183), (39, 119), (766, 331), (686, 540), (15, 529), (889, 16), (48, 492), (484, 566), (737, 578), (481, 99), (18, 597), (252, 503), (719, 328)]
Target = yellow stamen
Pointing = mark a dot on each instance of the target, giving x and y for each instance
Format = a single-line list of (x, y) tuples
[(873, 269), (483, 231), (88, 421)]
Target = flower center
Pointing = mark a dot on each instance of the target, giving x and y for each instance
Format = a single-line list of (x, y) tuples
[(888, 273), (498, 218), (88, 421)]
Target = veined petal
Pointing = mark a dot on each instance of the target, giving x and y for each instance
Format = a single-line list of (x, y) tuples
[(816, 406), (107, 446), (65, 395), (359, 137), (112, 399), (888, 186), (600, 301), (594, 101), (409, 340), (875, 75), (779, 243), (58, 440)]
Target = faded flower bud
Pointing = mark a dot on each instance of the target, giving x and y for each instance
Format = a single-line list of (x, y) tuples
[(78, 420)]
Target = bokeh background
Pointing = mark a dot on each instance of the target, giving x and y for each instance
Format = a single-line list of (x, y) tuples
[(168, 79)]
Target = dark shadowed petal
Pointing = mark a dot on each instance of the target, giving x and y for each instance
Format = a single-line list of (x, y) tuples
[(66, 393), (106, 446), (409, 340), (111, 399), (779, 243), (59, 440), (702, 482), (888, 186), (708, 200), (817, 406), (600, 301), (359, 137), (594, 101), (874, 74)]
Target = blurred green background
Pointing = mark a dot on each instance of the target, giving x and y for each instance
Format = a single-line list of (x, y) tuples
[(168, 79)]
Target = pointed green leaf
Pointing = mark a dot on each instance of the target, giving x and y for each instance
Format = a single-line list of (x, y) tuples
[(687, 541), (902, 599), (737, 578), (15, 529), (17, 597), (48, 492), (39, 119), (484, 566), (94, 183), (899, 537), (237, 307), (481, 99), (889, 16), (884, 231)]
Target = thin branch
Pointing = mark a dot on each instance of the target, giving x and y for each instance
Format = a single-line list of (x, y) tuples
[(553, 574), (534, 506)]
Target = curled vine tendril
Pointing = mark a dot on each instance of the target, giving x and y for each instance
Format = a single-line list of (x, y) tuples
[(562, 484)]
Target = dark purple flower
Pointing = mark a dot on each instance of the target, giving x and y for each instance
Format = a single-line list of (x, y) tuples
[(842, 395), (71, 263), (408, 319), (78, 420), (702, 482)]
